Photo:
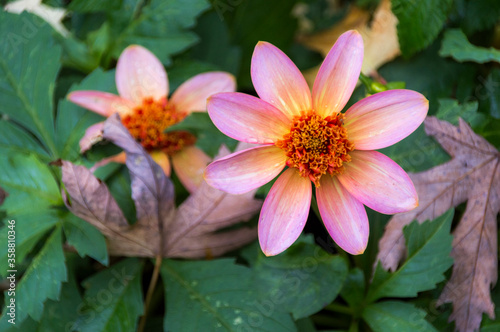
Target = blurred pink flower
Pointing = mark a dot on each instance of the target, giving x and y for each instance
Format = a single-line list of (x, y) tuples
[(146, 110), (307, 133)]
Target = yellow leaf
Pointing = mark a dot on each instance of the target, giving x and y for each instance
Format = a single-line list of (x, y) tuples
[(379, 36)]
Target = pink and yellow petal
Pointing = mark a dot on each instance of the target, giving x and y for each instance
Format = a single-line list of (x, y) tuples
[(102, 103), (189, 165), (139, 74), (284, 212), (119, 158), (343, 215), (162, 160), (385, 118), (247, 118), (192, 95), (338, 75), (379, 183), (93, 134), (243, 171), (278, 81)]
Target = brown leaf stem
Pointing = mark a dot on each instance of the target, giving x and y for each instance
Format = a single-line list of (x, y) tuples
[(149, 294)]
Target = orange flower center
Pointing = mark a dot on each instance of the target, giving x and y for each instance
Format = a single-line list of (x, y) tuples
[(148, 122), (316, 145)]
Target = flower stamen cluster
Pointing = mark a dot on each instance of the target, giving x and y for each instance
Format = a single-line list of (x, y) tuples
[(317, 145), (148, 122)]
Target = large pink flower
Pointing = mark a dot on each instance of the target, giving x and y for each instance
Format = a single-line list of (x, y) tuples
[(146, 110), (319, 144)]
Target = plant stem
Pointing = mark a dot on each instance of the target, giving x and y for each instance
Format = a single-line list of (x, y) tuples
[(149, 295), (339, 308), (365, 80), (354, 325)]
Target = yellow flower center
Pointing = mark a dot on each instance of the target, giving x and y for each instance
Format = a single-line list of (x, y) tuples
[(148, 122), (317, 145)]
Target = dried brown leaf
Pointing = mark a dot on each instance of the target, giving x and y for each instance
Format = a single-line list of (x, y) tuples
[(379, 37), (205, 212), (472, 175), (192, 231), (92, 201), (152, 191)]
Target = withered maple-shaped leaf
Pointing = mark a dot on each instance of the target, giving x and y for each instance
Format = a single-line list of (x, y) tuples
[(204, 212), (191, 231), (472, 175)]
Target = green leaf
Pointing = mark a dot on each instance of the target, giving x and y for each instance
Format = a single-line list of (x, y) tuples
[(218, 294), (73, 120), (28, 68), (120, 187), (456, 45), (58, 315), (242, 17), (99, 41), (162, 28), (419, 22), (209, 138), (87, 240), (215, 46), (450, 110), (90, 6), (488, 324), (432, 75), (113, 299), (479, 15), (27, 179), (305, 325), (396, 316), (41, 281), (14, 139), (489, 95), (492, 132), (185, 68), (353, 291), (417, 152), (429, 248), (302, 279), (76, 54), (30, 226)]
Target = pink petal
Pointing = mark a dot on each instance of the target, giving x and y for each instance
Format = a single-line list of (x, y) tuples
[(119, 158), (278, 81), (338, 75), (379, 183), (192, 95), (284, 212), (161, 159), (247, 118), (385, 118), (343, 215), (243, 171), (139, 74), (102, 103), (189, 165), (93, 134)]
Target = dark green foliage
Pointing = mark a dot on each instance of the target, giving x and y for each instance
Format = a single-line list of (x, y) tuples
[(419, 22)]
